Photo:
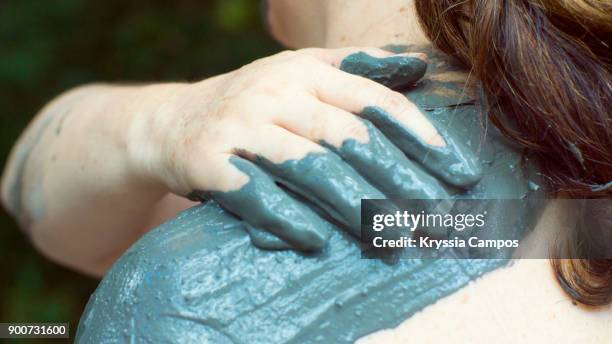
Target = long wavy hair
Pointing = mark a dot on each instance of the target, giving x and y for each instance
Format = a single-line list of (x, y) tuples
[(546, 66)]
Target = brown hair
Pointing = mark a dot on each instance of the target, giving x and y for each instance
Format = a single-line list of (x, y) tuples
[(546, 68)]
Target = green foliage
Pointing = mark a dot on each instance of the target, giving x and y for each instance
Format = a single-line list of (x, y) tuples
[(47, 47)]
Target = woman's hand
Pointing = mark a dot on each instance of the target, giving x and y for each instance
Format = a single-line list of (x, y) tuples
[(291, 122), (93, 170)]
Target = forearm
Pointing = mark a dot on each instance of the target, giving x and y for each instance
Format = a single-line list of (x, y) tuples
[(70, 181)]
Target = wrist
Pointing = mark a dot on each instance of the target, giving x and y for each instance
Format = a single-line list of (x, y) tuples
[(153, 114)]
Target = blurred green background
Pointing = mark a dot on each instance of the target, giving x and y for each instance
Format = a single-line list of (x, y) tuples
[(47, 47)]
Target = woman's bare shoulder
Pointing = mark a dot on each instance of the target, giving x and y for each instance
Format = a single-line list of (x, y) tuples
[(520, 303)]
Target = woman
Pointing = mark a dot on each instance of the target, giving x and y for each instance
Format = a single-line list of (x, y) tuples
[(198, 274)]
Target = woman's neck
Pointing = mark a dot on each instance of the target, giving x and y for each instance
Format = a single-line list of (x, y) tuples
[(371, 23)]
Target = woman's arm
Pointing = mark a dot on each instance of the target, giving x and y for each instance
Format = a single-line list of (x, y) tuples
[(93, 170), (69, 181)]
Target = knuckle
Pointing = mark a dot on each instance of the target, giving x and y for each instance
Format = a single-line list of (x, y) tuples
[(271, 90), (354, 129), (319, 130), (392, 100), (281, 154)]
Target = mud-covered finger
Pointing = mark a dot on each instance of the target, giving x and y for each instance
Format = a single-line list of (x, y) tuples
[(391, 71), (264, 205)]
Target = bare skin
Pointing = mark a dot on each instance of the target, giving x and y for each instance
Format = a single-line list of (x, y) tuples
[(111, 160), (522, 303)]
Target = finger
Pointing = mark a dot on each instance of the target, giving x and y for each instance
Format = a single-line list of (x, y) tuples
[(454, 162), (392, 71), (318, 121), (403, 123), (262, 204), (334, 57), (354, 93), (264, 239), (389, 69), (386, 167), (317, 175), (366, 149)]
